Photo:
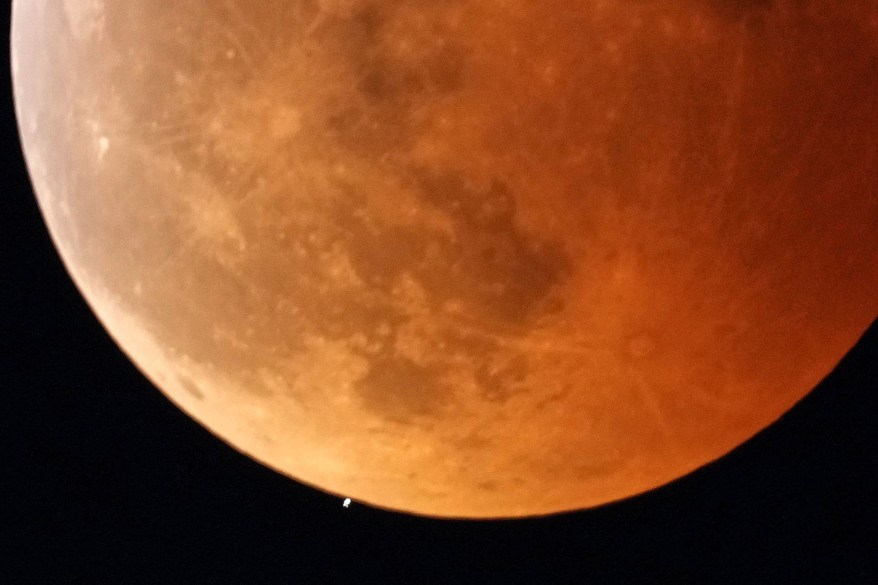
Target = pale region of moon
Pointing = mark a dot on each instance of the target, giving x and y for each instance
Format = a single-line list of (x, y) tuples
[(475, 259)]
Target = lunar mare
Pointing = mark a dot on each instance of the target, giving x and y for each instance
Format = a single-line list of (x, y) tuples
[(469, 259)]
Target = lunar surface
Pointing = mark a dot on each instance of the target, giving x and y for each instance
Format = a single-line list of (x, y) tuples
[(457, 258)]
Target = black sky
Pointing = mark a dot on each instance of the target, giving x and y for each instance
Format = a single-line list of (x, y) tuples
[(105, 481)]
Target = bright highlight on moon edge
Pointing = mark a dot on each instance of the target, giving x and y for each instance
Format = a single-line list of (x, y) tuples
[(464, 259)]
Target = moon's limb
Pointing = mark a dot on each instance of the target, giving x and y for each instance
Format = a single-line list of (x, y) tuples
[(464, 259)]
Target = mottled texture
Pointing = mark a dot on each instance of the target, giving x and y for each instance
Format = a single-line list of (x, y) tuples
[(465, 258)]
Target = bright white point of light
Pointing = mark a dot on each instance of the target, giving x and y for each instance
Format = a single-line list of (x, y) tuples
[(346, 503)]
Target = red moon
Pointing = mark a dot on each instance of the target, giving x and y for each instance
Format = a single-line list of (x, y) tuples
[(465, 259)]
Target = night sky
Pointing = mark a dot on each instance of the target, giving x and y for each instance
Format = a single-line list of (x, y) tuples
[(105, 481)]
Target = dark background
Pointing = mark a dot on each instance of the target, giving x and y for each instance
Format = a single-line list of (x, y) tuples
[(103, 480)]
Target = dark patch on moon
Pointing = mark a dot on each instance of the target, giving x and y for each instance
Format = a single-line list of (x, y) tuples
[(501, 279), (740, 9), (385, 81), (446, 68), (190, 387), (500, 272), (381, 105), (401, 389), (472, 442), (486, 265), (497, 272)]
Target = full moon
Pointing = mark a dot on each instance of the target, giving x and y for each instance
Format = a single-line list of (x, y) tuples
[(464, 259)]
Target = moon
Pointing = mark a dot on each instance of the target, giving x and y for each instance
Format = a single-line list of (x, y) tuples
[(464, 259)]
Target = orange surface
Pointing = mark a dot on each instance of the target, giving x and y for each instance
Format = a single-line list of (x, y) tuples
[(472, 259)]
